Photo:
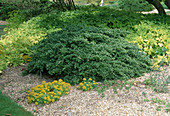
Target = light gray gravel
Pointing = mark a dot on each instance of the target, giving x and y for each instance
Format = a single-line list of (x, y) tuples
[(79, 103)]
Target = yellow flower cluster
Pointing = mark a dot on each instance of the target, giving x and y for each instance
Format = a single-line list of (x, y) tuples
[(87, 84), (160, 60), (48, 92)]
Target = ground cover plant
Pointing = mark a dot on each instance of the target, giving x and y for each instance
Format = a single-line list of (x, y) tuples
[(9, 107), (14, 49), (161, 103), (153, 41), (117, 85), (78, 52), (87, 84), (167, 107), (159, 82), (48, 92)]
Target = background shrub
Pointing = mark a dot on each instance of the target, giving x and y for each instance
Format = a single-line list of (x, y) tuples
[(27, 8), (5, 9), (82, 52), (133, 5)]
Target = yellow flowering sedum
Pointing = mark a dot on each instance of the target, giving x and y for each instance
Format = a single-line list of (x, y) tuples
[(59, 93), (53, 100), (47, 92), (81, 84), (36, 103), (90, 79), (87, 84), (84, 87)]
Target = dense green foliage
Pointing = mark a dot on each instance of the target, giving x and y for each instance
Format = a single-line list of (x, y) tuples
[(26, 8), (9, 107), (133, 5), (5, 9), (76, 52), (164, 6), (14, 45)]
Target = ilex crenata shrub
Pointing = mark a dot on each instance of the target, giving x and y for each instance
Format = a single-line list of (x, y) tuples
[(79, 52)]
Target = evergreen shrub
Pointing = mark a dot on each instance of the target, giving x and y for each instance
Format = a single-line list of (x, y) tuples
[(78, 52)]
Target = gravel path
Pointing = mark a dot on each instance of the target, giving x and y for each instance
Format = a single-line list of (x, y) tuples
[(79, 103)]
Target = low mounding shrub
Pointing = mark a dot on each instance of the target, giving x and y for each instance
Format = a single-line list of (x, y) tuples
[(77, 52)]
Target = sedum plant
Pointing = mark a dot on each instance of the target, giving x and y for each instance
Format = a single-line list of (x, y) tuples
[(154, 41), (86, 85), (48, 92)]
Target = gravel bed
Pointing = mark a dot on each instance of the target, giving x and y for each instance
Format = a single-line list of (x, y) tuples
[(79, 103)]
